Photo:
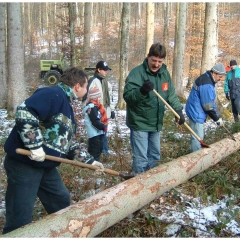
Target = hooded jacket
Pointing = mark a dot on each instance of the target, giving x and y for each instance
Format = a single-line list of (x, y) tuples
[(200, 103), (145, 113)]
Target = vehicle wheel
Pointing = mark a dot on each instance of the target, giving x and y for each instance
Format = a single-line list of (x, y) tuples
[(52, 77)]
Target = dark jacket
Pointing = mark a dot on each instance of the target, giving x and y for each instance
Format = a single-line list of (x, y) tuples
[(232, 83), (200, 103), (145, 113), (44, 119)]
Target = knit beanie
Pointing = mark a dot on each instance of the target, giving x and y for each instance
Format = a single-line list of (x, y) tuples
[(219, 69), (233, 63), (94, 93)]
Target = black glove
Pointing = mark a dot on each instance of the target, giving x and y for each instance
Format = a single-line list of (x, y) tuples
[(146, 87), (227, 96), (112, 114), (182, 118)]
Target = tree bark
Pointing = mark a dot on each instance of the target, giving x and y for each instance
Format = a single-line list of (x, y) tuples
[(195, 42), (150, 27), (210, 42), (15, 63), (3, 65), (178, 69), (72, 18), (87, 33), (124, 52)]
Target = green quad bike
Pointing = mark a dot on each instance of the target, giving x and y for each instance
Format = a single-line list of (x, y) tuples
[(51, 70)]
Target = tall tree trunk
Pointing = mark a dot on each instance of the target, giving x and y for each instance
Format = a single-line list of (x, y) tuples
[(150, 26), (125, 25), (87, 33), (175, 45), (195, 42), (15, 63), (72, 18), (3, 75), (180, 43), (210, 42), (165, 29)]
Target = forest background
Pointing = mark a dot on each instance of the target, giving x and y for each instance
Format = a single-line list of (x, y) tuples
[(121, 34)]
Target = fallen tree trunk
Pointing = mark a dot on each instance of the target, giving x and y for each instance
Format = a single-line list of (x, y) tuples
[(93, 215)]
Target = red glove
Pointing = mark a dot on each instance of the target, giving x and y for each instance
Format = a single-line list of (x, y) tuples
[(105, 130)]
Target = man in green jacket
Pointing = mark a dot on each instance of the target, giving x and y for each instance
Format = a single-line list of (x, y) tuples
[(145, 111), (232, 88)]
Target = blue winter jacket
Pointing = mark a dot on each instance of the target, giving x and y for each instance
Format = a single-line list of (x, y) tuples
[(45, 119), (92, 120), (200, 103)]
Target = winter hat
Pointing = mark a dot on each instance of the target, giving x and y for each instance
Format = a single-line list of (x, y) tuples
[(103, 65), (219, 69), (94, 93), (233, 63)]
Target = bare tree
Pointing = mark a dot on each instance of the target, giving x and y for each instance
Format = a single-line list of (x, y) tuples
[(72, 18), (210, 43), (15, 63), (124, 52), (87, 32), (165, 29), (175, 40), (3, 76), (196, 27), (150, 26), (178, 69)]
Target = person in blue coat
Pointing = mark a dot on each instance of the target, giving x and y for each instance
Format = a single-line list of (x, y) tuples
[(232, 88), (44, 125), (201, 102)]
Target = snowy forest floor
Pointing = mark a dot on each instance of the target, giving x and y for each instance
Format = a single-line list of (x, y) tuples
[(208, 205)]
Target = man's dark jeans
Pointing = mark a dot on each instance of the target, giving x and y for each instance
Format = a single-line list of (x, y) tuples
[(25, 183)]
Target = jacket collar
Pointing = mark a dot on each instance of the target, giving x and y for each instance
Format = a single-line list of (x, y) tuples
[(208, 73), (68, 91)]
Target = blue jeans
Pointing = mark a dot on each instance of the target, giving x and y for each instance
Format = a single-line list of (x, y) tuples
[(198, 129), (25, 183), (145, 150), (105, 143)]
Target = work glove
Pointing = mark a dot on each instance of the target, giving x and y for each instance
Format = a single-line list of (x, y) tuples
[(182, 118), (146, 87), (88, 159), (112, 114), (98, 171), (227, 96), (37, 154), (219, 122), (98, 164)]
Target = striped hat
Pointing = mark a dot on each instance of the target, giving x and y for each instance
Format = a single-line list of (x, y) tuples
[(219, 69), (94, 93)]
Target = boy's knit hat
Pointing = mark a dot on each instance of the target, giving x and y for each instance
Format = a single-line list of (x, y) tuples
[(219, 69), (94, 93)]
